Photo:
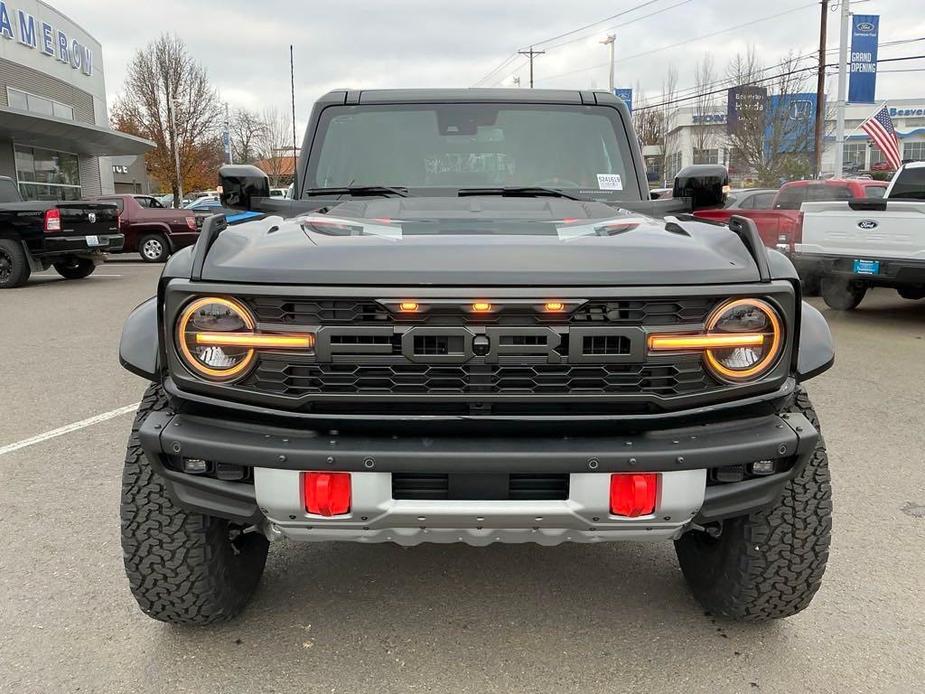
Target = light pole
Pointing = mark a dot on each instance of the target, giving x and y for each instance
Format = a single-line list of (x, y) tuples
[(171, 108), (842, 89), (609, 41)]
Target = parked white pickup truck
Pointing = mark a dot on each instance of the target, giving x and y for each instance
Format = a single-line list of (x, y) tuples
[(855, 245)]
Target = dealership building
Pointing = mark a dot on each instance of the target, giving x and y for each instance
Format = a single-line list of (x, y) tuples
[(698, 136), (55, 139)]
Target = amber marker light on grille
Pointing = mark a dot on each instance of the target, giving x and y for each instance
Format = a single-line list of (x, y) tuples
[(674, 343), (481, 307), (256, 341), (409, 306), (554, 306)]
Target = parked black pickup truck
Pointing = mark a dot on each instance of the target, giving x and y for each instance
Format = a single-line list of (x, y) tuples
[(36, 235)]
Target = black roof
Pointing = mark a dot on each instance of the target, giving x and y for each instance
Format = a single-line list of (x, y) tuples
[(540, 96)]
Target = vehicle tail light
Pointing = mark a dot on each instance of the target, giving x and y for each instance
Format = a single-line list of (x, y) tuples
[(634, 494), (326, 493), (52, 220), (191, 223)]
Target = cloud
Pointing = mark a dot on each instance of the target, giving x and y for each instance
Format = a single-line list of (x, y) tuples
[(428, 43)]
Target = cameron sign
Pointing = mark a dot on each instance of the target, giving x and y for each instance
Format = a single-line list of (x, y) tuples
[(22, 27)]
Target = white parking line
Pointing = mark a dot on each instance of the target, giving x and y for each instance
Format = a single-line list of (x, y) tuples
[(68, 428)]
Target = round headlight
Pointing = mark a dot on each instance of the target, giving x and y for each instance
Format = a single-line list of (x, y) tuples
[(755, 319), (212, 358)]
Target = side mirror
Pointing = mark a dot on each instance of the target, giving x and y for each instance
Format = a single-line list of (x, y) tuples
[(241, 185), (705, 184)]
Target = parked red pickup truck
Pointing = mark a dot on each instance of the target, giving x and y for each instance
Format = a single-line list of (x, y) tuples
[(782, 226), (152, 230)]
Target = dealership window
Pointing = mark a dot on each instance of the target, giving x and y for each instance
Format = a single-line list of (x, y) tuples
[(24, 101), (706, 156), (44, 174), (914, 151), (855, 153)]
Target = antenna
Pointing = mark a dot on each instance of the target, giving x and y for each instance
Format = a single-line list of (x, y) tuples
[(296, 193)]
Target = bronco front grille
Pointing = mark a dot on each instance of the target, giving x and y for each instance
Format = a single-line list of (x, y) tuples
[(281, 377), (643, 312)]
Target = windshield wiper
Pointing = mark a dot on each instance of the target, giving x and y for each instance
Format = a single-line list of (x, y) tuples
[(521, 192), (360, 190)]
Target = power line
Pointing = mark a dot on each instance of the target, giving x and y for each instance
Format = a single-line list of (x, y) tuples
[(671, 102), (530, 55), (686, 41), (507, 61)]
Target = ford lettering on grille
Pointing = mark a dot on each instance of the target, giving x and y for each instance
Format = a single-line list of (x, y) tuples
[(487, 344)]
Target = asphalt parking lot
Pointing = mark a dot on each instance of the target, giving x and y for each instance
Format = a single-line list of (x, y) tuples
[(441, 618)]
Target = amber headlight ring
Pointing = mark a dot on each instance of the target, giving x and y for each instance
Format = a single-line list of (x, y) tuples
[(200, 366), (771, 345)]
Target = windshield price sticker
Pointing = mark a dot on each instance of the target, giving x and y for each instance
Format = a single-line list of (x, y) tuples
[(609, 182)]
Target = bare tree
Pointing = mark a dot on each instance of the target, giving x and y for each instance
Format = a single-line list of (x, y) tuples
[(667, 137), (161, 76), (246, 130), (773, 137), (275, 145), (703, 130)]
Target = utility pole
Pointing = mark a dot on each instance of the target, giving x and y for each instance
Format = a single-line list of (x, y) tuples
[(609, 41), (530, 54), (842, 89), (820, 91), (171, 108), (296, 192)]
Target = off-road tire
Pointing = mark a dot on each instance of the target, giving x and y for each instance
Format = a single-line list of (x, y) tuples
[(153, 248), (842, 295), (768, 564), (183, 567), (14, 265), (75, 268)]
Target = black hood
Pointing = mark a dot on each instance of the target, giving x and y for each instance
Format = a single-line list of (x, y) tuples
[(478, 241)]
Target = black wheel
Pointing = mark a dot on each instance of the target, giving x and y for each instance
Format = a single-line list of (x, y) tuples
[(14, 265), (768, 564), (911, 293), (842, 295), (182, 567), (75, 268), (153, 248)]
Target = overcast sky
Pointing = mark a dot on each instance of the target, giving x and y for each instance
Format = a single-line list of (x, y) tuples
[(405, 43)]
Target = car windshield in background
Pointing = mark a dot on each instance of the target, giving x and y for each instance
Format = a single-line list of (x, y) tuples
[(579, 149)]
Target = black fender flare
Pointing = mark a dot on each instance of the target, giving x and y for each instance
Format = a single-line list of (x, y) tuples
[(816, 351), (139, 346)]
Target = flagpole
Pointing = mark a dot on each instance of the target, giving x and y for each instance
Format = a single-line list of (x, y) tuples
[(842, 89)]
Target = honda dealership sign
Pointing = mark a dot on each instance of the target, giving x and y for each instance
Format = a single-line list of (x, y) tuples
[(865, 29), (745, 105)]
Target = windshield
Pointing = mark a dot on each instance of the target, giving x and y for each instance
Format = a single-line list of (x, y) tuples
[(579, 149)]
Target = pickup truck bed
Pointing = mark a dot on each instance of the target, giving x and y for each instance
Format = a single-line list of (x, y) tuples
[(36, 235)]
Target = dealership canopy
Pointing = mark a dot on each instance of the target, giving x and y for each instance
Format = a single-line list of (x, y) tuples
[(68, 135)]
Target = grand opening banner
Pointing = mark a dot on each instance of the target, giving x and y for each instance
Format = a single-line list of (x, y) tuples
[(865, 32)]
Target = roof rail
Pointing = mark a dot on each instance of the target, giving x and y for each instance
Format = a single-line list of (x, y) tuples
[(747, 230), (212, 226)]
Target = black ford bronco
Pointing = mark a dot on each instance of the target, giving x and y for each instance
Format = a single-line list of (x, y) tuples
[(470, 324)]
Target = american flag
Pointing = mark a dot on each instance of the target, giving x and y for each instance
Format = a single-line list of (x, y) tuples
[(879, 128)]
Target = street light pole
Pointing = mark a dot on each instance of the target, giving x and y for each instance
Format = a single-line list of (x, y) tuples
[(842, 89), (171, 109), (609, 41)]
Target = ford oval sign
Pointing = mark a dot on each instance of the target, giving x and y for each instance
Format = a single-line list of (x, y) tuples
[(865, 27), (867, 224)]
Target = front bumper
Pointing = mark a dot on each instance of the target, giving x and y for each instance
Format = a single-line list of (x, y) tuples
[(684, 456)]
